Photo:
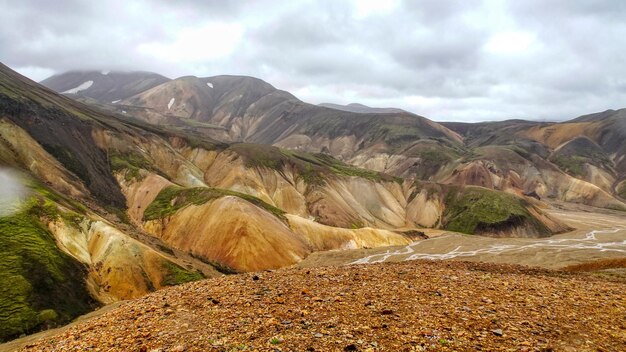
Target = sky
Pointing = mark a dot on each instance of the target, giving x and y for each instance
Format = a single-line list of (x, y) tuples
[(446, 60)]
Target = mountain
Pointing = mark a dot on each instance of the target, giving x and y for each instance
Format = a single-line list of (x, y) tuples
[(103, 86), (117, 207), (520, 157), (238, 108), (581, 160), (361, 109)]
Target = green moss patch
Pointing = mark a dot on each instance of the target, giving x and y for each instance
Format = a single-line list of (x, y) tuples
[(68, 159), (475, 210), (571, 164), (621, 190), (433, 156), (173, 198), (177, 275), (573, 156), (131, 163), (41, 285)]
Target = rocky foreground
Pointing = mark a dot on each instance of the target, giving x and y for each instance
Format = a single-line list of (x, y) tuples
[(410, 306)]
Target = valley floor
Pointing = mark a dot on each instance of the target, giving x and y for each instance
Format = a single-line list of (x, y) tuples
[(409, 306), (598, 234)]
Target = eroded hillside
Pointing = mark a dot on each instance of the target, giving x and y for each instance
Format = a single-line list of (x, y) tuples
[(579, 161), (129, 207)]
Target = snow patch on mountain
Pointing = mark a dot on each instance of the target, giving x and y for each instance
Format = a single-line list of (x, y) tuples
[(209, 84), (169, 105), (81, 87)]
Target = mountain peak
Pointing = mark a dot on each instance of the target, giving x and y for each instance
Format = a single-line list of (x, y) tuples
[(104, 86)]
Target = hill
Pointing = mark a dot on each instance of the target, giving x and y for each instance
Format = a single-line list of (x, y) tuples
[(515, 156), (447, 306), (360, 108), (103, 86), (117, 207)]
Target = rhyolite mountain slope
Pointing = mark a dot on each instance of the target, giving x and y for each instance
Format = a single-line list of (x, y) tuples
[(118, 207), (103, 86), (582, 160), (577, 161), (250, 110)]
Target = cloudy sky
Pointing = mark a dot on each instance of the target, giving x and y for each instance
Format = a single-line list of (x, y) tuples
[(447, 60)]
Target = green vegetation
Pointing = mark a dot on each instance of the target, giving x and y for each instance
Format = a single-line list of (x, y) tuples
[(121, 214), (433, 156), (572, 164), (177, 275), (314, 169), (221, 267), (41, 285), (520, 151), (357, 225), (196, 123), (132, 163), (275, 341), (67, 158), (621, 190), (173, 198), (573, 156), (395, 130), (474, 209)]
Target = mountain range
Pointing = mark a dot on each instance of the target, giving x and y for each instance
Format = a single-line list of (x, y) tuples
[(136, 181)]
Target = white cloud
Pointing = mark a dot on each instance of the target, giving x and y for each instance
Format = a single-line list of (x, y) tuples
[(510, 42), (35, 73), (443, 59), (204, 43), (367, 8)]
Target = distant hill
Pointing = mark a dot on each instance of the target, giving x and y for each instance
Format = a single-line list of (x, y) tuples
[(516, 156), (103, 86), (361, 109)]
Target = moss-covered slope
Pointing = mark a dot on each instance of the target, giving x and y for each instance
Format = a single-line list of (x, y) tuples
[(173, 198), (476, 210), (40, 285)]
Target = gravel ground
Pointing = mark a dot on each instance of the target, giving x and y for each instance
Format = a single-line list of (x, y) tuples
[(409, 306)]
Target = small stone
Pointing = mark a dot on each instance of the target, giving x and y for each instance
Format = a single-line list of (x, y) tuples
[(386, 312), (255, 278), (497, 332), (350, 347), (179, 348), (318, 335)]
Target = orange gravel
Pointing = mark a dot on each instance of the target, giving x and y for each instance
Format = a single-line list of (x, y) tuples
[(409, 306)]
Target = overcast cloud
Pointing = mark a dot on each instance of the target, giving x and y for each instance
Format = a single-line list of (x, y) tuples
[(447, 60)]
